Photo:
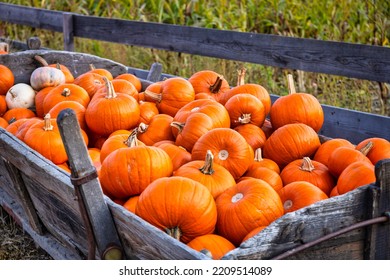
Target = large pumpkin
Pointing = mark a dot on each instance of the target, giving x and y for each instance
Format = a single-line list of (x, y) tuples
[(229, 148), (291, 142), (249, 204), (128, 171), (182, 207)]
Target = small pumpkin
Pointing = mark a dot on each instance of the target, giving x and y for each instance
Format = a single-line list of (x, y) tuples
[(253, 134), (355, 175), (158, 129), (299, 194), (132, 79), (380, 148), (147, 111), (181, 207), (178, 155), (229, 148), (325, 150), (20, 95), (214, 176), (18, 113), (259, 161), (247, 205), (268, 175), (75, 106), (310, 171), (213, 245), (69, 78), (46, 76), (297, 108), (7, 79), (91, 82), (131, 203)]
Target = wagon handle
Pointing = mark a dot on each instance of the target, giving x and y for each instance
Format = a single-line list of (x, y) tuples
[(100, 227)]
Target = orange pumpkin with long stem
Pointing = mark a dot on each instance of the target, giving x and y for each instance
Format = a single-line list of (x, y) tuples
[(380, 148), (158, 129), (209, 82)]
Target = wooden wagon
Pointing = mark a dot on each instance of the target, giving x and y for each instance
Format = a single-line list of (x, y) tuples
[(41, 197)]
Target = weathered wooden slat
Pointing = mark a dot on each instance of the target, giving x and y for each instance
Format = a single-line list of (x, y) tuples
[(68, 32), (336, 58), (308, 224), (23, 63)]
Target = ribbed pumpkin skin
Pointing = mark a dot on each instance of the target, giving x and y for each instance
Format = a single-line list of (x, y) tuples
[(205, 81), (379, 151), (229, 148), (178, 155), (128, 171), (297, 108), (215, 245), (106, 115), (216, 111), (270, 176), (158, 129), (355, 175), (7, 79), (249, 204), (46, 76), (317, 173), (299, 194), (178, 202), (253, 134), (291, 142), (326, 149)]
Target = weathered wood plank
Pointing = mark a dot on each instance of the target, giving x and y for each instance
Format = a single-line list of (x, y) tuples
[(23, 63), (308, 224), (336, 58)]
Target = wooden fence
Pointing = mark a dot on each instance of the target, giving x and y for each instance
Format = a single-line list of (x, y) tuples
[(328, 57)]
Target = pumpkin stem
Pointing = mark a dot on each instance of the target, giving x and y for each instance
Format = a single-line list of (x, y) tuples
[(287, 204), (208, 164), (92, 67), (174, 232), (12, 120), (307, 165), (65, 92), (178, 126), (142, 127), (241, 76), (258, 155), (244, 119), (47, 126), (290, 82), (367, 148), (110, 88), (155, 96), (41, 60), (4, 47), (214, 88), (12, 93), (58, 66), (131, 141)]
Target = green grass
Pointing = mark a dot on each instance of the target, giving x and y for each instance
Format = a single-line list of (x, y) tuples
[(365, 22)]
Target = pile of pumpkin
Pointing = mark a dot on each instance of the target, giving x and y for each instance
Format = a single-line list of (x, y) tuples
[(209, 163)]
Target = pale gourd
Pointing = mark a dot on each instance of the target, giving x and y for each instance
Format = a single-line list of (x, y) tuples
[(20, 95)]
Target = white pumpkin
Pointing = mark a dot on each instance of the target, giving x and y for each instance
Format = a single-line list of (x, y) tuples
[(20, 95)]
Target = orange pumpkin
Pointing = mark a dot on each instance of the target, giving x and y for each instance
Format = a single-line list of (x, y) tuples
[(297, 108), (181, 207), (128, 171), (178, 155), (247, 205), (299, 194), (355, 175), (291, 142), (244, 108), (18, 113), (213, 245), (214, 176), (131, 203), (3, 105), (3, 123), (158, 129), (7, 79), (259, 161), (229, 148), (173, 94), (132, 79), (380, 148), (39, 98), (147, 111), (188, 133), (253, 134), (310, 171), (209, 82), (113, 111), (253, 232), (268, 175), (75, 106), (101, 71), (326, 149)]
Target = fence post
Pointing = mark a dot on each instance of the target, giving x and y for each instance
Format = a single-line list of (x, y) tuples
[(67, 29)]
